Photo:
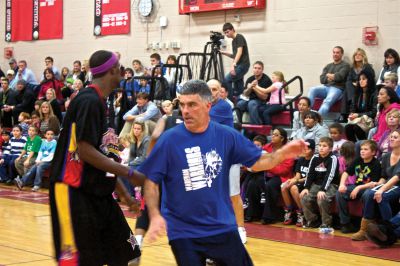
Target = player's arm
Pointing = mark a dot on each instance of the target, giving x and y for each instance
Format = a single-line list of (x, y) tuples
[(152, 199), (98, 160), (132, 203), (269, 160)]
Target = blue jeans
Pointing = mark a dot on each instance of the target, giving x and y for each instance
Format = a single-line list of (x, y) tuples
[(268, 110), (7, 169), (251, 106), (371, 206), (330, 95), (234, 83), (343, 198), (395, 221), (36, 173)]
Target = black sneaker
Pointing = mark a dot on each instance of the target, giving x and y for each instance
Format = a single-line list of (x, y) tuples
[(248, 219), (348, 228), (342, 119)]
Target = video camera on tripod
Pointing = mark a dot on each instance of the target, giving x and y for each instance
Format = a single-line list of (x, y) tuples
[(216, 37)]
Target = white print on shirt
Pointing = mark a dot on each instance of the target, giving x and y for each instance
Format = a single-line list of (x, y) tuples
[(202, 168), (320, 168), (304, 171)]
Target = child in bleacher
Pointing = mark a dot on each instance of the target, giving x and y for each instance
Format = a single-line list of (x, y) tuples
[(7, 167), (379, 200), (5, 148), (143, 86), (336, 133), (277, 98), (320, 185), (367, 171), (35, 119), (5, 144), (291, 188), (24, 119), (167, 107), (30, 152), (346, 158), (253, 186), (42, 163)]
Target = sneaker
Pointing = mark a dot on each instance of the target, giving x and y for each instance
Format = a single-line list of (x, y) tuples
[(348, 228), (210, 262), (35, 188), (243, 234), (18, 183), (245, 204), (300, 219), (312, 224), (341, 119), (288, 218), (262, 200)]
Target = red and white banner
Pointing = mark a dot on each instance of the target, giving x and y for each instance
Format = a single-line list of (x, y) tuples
[(34, 20), (112, 17), (194, 6)]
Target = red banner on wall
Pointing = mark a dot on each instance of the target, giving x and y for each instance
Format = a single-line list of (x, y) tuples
[(34, 20), (112, 17), (194, 6)]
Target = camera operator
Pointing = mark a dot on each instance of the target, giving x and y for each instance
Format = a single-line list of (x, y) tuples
[(241, 61)]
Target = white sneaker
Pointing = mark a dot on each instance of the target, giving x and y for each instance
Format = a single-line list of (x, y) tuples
[(35, 188), (242, 234), (18, 182)]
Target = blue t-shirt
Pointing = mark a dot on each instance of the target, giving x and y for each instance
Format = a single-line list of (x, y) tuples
[(221, 112), (194, 173)]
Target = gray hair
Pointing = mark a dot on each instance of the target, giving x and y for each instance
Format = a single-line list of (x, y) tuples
[(197, 87)]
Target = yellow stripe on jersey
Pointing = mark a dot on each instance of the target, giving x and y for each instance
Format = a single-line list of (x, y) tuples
[(72, 140), (64, 217)]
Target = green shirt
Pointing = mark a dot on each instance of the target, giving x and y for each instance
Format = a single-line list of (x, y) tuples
[(33, 145)]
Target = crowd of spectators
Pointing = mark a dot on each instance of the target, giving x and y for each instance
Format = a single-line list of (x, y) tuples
[(354, 158)]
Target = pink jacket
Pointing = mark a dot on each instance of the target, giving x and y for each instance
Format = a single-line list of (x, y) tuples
[(382, 126)]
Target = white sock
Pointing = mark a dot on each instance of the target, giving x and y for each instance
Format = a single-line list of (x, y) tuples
[(139, 239)]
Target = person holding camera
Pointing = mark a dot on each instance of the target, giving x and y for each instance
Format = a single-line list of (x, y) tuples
[(241, 61)]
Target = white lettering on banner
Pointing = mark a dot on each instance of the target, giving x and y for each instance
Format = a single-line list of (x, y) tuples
[(44, 3), (8, 15), (35, 13), (116, 19), (202, 168), (98, 8), (228, 5)]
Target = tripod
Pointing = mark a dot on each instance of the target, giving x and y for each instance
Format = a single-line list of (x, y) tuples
[(212, 67)]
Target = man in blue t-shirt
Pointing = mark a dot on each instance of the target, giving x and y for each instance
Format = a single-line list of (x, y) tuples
[(221, 113), (191, 161)]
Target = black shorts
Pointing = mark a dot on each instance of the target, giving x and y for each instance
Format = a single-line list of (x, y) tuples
[(300, 186), (89, 230), (224, 249)]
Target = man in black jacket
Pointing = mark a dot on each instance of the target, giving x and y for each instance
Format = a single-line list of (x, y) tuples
[(24, 100), (7, 101)]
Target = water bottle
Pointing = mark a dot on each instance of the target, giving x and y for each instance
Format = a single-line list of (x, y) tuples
[(326, 230)]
